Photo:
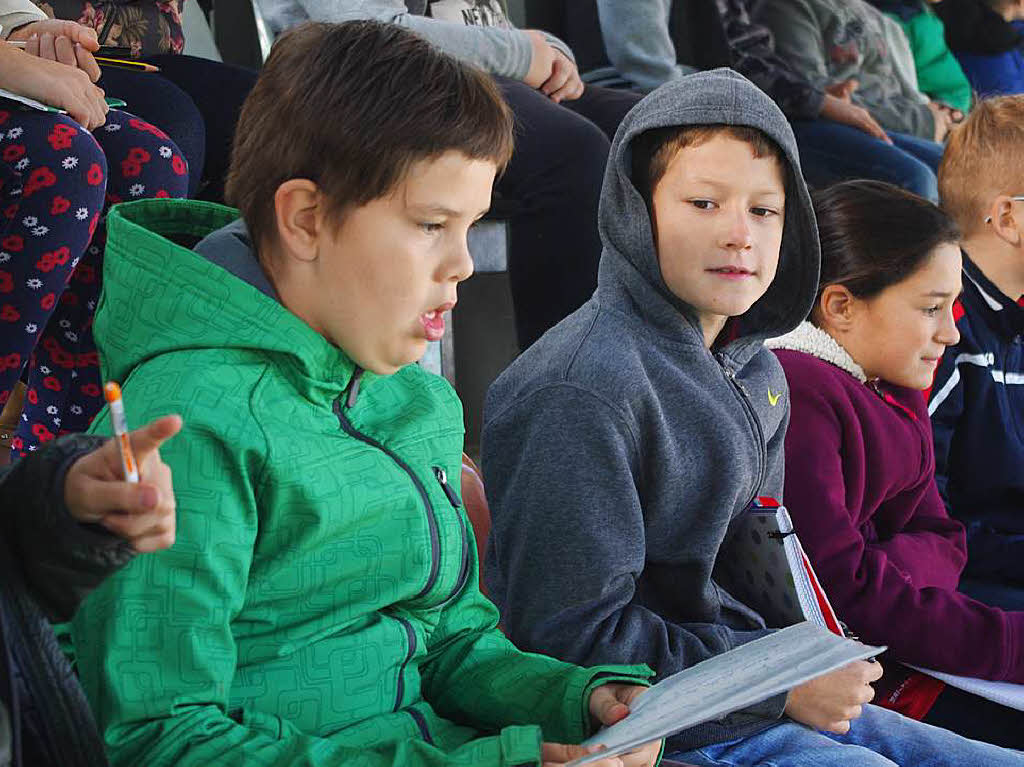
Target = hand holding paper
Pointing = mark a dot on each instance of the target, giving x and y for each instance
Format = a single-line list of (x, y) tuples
[(728, 682)]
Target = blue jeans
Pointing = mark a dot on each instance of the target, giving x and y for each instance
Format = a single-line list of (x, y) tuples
[(831, 152), (880, 738), (1005, 595)]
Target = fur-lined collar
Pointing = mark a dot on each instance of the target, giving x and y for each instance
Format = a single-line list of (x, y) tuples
[(811, 339)]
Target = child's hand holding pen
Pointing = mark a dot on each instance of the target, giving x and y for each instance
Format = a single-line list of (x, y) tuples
[(141, 512)]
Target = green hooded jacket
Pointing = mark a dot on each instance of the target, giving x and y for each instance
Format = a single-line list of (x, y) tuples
[(321, 603)]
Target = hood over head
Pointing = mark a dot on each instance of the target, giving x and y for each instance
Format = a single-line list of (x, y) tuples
[(629, 260)]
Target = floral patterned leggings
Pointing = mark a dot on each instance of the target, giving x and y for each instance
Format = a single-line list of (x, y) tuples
[(56, 180)]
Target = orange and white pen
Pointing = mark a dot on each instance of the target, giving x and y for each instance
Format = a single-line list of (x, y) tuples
[(113, 394)]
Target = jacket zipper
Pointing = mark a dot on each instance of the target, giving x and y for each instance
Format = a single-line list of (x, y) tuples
[(350, 396), (762, 466), (456, 503), (421, 722), (410, 635)]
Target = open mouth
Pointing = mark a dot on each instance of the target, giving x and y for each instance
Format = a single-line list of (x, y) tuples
[(433, 321)]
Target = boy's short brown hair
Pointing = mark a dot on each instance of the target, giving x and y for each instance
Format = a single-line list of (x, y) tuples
[(351, 107), (984, 158), (654, 150)]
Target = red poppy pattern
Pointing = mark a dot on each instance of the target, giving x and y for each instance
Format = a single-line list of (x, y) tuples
[(54, 188)]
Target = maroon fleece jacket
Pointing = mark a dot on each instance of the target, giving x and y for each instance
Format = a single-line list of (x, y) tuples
[(860, 487)]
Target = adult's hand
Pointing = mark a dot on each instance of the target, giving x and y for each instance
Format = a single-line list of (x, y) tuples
[(68, 42), (843, 89), (841, 109), (943, 120), (142, 513), (551, 71), (832, 701), (53, 83), (565, 83), (542, 59)]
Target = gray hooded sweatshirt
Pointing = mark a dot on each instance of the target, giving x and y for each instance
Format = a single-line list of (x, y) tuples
[(618, 448)]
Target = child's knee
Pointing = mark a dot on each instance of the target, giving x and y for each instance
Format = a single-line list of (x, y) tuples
[(143, 160)]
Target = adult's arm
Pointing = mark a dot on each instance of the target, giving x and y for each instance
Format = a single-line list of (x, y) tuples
[(906, 110), (638, 41), (60, 559), (506, 52), (758, 57), (876, 588)]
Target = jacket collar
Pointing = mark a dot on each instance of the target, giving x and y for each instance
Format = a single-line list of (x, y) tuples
[(810, 339), (1005, 315)]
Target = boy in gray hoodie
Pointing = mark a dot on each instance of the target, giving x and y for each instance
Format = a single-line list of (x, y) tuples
[(618, 449)]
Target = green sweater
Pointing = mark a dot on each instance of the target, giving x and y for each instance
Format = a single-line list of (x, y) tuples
[(321, 603), (939, 74)]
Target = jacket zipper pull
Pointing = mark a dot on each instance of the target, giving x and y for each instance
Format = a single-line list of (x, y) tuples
[(449, 491), (352, 393)]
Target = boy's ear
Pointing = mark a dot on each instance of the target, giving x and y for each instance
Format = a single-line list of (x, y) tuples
[(1004, 224), (296, 210), (837, 307)]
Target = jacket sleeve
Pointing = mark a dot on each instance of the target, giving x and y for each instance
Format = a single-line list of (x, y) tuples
[(874, 587), (905, 110), (992, 554), (474, 674), (904, 60), (60, 559), (16, 13), (157, 656), (939, 74), (637, 38), (503, 52), (566, 501), (789, 67)]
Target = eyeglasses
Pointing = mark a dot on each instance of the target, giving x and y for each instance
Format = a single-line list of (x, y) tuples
[(1015, 198)]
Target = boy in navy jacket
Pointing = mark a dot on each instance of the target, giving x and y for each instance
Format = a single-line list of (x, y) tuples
[(977, 399)]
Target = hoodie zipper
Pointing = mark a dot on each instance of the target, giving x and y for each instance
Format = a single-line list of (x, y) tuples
[(762, 454), (456, 503), (350, 396)]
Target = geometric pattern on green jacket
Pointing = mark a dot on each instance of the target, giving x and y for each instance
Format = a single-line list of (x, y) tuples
[(321, 603)]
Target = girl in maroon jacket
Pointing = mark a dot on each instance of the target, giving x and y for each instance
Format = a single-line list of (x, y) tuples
[(860, 464)]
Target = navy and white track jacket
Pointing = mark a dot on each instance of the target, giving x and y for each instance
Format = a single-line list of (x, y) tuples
[(977, 410)]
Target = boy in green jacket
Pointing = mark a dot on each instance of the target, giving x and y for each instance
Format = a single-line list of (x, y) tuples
[(321, 605)]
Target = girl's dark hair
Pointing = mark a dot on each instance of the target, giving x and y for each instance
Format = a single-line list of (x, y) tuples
[(874, 235)]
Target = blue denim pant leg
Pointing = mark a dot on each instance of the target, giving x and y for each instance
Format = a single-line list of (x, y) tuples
[(880, 738), (831, 152), (1005, 595)]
